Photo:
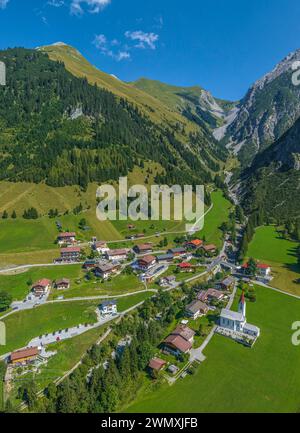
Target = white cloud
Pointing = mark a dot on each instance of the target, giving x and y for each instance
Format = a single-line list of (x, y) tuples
[(3, 4), (94, 6), (145, 40), (106, 48), (56, 3)]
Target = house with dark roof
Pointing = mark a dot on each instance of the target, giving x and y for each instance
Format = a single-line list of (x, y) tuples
[(62, 284), (196, 309), (177, 252), (147, 262), (108, 308), (143, 248), (180, 340)]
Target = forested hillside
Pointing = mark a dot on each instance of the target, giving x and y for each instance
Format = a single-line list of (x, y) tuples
[(271, 184), (58, 128)]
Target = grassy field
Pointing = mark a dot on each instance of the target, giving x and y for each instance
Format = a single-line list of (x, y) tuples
[(215, 218), (237, 379), (22, 326), (19, 284), (118, 285), (268, 246)]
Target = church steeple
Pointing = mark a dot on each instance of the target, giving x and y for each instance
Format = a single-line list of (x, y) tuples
[(242, 305)]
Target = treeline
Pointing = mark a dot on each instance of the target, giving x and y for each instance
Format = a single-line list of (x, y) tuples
[(64, 131)]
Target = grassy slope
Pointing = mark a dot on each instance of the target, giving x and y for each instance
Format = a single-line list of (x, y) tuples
[(236, 379), (268, 246), (80, 67), (215, 218), (21, 327)]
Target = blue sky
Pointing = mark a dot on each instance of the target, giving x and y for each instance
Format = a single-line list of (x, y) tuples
[(222, 45)]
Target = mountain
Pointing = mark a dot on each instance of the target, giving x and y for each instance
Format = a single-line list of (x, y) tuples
[(149, 105), (194, 103), (268, 110), (60, 125), (272, 184)]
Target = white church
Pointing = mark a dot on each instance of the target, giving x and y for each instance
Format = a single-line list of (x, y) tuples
[(236, 322)]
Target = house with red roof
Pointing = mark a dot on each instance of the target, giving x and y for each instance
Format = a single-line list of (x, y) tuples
[(194, 244), (41, 287), (185, 267), (70, 254), (180, 340), (67, 238), (156, 364), (263, 269)]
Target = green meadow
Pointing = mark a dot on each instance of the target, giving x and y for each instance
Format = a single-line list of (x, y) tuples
[(269, 247), (23, 326), (214, 219), (234, 378)]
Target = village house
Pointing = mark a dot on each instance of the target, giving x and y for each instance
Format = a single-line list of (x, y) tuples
[(41, 287), (227, 284), (209, 249), (165, 258), (210, 295), (101, 247), (153, 273), (144, 248), (24, 356), (70, 254), (108, 308), (63, 284), (118, 255), (177, 252), (185, 267), (196, 309), (194, 244), (180, 340), (147, 262), (68, 238), (90, 264), (156, 364), (167, 281), (263, 270), (105, 271)]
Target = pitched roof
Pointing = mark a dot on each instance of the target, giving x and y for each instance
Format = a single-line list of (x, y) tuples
[(118, 252), (195, 242), (157, 363), (147, 259), (42, 283), (184, 332), (196, 306), (232, 315), (67, 235), (62, 281), (210, 247), (185, 265), (144, 247), (71, 250), (178, 342), (177, 250), (24, 353)]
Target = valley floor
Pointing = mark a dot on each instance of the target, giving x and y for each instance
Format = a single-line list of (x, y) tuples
[(233, 378)]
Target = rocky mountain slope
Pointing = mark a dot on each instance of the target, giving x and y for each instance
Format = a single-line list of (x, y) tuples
[(272, 183), (269, 109), (194, 103)]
